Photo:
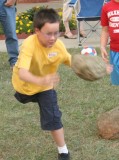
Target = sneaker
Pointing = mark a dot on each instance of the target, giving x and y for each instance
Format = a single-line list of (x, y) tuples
[(64, 156)]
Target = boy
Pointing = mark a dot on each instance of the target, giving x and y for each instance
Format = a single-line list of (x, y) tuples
[(110, 28), (34, 74)]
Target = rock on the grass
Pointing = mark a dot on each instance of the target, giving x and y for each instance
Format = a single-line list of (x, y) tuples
[(108, 124)]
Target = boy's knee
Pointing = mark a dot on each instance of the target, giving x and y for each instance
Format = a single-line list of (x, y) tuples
[(52, 125)]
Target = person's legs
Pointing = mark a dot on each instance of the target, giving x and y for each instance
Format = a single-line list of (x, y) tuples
[(68, 34), (58, 136), (67, 13), (8, 21), (50, 117), (81, 30)]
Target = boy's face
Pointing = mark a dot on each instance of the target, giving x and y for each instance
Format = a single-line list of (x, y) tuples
[(117, 0), (48, 34)]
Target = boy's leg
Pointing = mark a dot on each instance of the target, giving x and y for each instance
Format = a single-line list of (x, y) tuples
[(50, 117), (58, 136)]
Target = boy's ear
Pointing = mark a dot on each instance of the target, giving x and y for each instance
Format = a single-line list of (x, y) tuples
[(36, 30)]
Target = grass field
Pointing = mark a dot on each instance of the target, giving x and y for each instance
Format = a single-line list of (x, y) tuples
[(81, 103)]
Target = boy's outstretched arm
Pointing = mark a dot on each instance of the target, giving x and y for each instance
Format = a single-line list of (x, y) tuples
[(48, 80), (103, 42)]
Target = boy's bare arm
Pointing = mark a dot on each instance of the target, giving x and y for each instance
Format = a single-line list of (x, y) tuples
[(103, 42), (49, 80)]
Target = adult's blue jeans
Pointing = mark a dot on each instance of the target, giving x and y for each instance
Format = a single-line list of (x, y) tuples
[(8, 21)]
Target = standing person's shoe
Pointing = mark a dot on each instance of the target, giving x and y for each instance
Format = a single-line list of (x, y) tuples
[(69, 35), (64, 156)]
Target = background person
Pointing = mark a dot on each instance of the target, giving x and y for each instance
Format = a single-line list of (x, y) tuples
[(110, 29), (8, 21), (67, 14)]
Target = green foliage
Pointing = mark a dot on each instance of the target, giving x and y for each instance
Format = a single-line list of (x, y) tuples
[(81, 102), (24, 21), (1, 29)]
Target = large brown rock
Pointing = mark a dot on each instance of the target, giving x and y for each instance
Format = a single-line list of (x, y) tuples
[(88, 67), (108, 124)]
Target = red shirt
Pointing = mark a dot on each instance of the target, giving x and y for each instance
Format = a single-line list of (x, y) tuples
[(110, 18)]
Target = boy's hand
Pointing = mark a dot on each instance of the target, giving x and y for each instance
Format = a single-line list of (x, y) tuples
[(50, 80), (109, 68), (10, 3), (104, 54)]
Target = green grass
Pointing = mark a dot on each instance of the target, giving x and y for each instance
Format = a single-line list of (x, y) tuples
[(81, 103)]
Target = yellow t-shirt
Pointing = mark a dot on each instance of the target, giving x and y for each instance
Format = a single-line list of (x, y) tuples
[(40, 61)]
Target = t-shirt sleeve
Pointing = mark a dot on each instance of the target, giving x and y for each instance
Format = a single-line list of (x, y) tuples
[(68, 59), (104, 17), (25, 56), (67, 55)]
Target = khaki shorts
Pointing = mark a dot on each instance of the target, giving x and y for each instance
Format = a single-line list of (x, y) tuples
[(67, 11)]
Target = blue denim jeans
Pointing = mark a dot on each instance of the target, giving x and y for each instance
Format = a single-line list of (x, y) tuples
[(8, 21)]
